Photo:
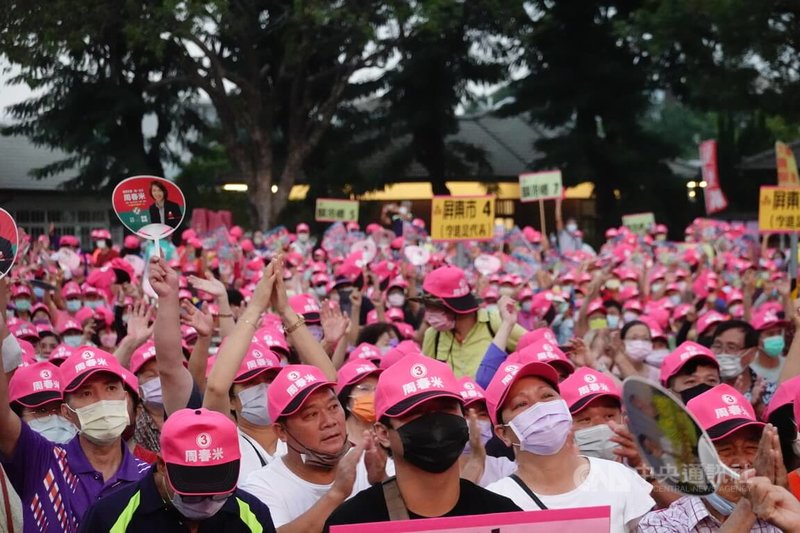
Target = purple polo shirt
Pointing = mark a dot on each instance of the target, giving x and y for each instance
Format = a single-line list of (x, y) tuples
[(57, 484)]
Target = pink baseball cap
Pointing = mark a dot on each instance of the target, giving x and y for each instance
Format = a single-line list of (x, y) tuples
[(395, 314), (258, 360), (131, 241), (365, 352), (529, 337), (35, 385), (70, 290), (292, 387), (596, 306), (397, 353), (302, 227), (545, 352), (471, 392), (271, 335), (766, 318), (677, 359), (507, 375), (448, 286), (354, 372), (784, 394), (131, 382), (86, 361), (201, 452), (707, 320), (406, 330), (45, 328), (59, 354), (70, 325), (21, 290), (723, 410), (25, 330), (585, 386), (414, 379), (144, 353), (307, 306)]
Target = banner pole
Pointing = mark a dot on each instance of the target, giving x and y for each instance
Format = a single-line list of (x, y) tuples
[(793, 260), (541, 218)]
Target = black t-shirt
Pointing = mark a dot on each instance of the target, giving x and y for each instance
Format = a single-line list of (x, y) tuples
[(369, 505)]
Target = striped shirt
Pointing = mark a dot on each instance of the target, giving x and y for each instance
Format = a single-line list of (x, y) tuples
[(690, 515), (57, 483)]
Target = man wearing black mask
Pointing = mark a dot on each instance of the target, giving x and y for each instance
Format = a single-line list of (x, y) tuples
[(690, 370), (420, 420)]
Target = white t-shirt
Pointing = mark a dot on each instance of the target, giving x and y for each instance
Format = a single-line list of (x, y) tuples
[(608, 483), (253, 454), (287, 495), (495, 469)]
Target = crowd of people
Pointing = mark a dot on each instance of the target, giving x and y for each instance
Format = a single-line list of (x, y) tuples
[(262, 381)]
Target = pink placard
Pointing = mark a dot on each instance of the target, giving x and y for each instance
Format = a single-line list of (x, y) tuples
[(580, 520)]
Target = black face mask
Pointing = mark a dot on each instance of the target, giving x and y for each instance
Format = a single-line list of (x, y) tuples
[(693, 392), (434, 442)]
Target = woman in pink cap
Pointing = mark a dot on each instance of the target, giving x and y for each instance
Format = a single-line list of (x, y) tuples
[(531, 416)]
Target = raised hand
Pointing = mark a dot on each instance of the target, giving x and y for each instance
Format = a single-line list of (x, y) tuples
[(508, 309), (139, 327), (210, 284), (334, 323), (265, 289), (200, 319), (163, 279)]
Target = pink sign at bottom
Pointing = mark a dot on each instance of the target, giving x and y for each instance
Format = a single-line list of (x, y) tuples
[(581, 520)]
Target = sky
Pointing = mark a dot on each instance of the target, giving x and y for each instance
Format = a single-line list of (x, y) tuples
[(9, 94)]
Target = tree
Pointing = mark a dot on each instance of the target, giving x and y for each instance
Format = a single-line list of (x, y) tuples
[(588, 86), (91, 72), (453, 44)]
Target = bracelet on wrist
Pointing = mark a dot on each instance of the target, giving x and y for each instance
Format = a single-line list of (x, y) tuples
[(248, 322), (300, 322), (225, 315)]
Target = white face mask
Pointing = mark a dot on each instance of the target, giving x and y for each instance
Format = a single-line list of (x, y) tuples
[(103, 422), (596, 442), (506, 290), (629, 316), (730, 366), (54, 428), (657, 357), (201, 510), (572, 227), (254, 405), (396, 299), (151, 392), (638, 350)]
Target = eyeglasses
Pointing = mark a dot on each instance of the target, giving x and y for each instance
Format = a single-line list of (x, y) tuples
[(719, 347), (364, 387), (213, 498)]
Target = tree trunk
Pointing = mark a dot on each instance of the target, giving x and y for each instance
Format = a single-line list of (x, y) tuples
[(260, 196)]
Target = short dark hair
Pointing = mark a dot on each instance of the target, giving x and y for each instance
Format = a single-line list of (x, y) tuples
[(689, 368), (373, 332), (750, 333), (629, 325), (608, 304)]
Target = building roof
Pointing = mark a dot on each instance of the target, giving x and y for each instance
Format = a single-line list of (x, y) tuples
[(766, 160), (18, 156), (507, 142)]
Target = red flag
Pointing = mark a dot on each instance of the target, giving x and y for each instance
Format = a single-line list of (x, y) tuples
[(714, 197)]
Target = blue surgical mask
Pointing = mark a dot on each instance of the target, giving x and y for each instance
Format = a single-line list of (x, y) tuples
[(613, 321), (73, 341), (93, 304), (39, 293), (22, 304), (73, 306), (316, 331), (722, 505), (54, 428), (773, 346)]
